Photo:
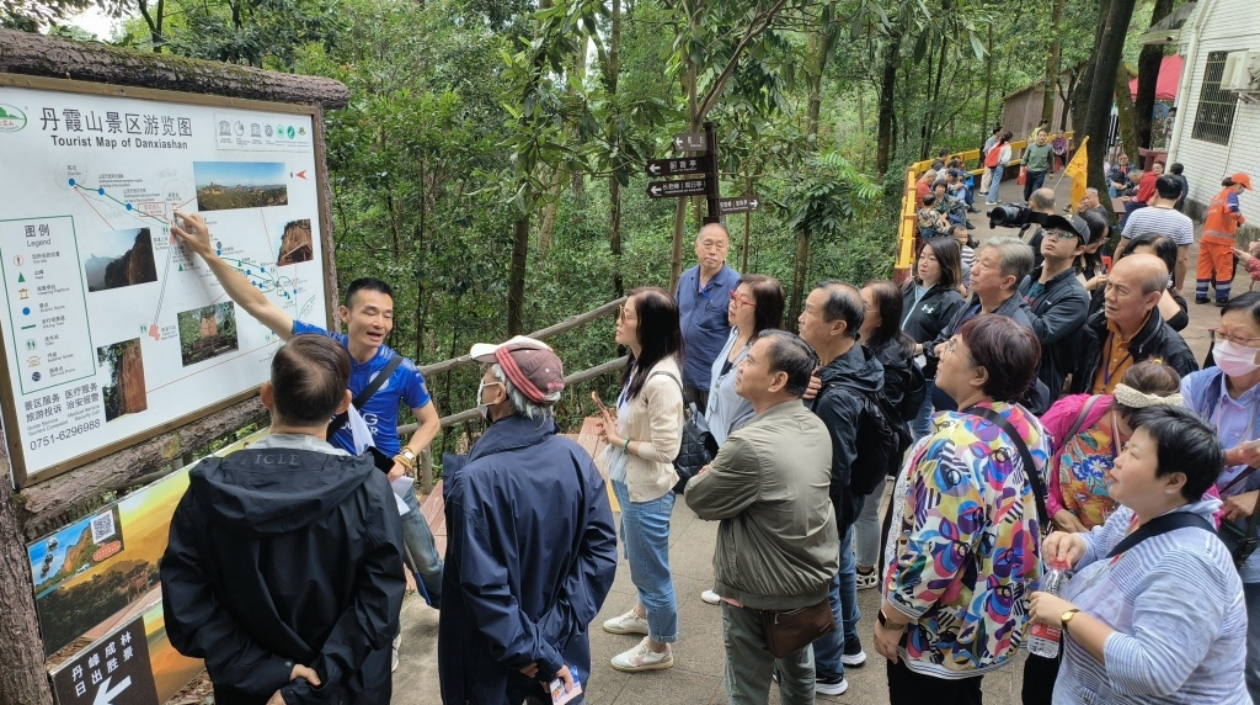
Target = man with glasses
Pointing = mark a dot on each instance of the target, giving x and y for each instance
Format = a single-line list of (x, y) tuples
[(703, 297), (1129, 329), (1057, 301)]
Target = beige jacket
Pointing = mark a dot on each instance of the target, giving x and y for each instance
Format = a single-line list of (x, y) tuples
[(654, 421)]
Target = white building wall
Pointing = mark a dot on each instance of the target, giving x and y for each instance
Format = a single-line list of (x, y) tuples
[(1231, 25)]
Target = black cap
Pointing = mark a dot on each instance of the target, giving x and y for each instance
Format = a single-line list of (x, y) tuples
[(1073, 224)]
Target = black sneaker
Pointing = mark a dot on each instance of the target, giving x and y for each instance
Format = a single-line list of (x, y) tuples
[(853, 656), (1199, 300), (830, 685)]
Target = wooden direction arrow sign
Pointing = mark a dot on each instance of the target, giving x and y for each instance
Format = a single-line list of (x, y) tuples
[(689, 142), (676, 189), (677, 167), (743, 204)]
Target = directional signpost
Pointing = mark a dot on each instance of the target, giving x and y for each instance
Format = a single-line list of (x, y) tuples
[(678, 167), (113, 671), (690, 141), (743, 204), (677, 189)]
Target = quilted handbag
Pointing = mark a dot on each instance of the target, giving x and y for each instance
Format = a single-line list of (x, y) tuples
[(698, 448)]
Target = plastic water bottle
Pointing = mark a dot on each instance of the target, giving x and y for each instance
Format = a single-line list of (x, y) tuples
[(1043, 639)]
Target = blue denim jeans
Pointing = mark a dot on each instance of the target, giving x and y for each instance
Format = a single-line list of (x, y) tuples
[(995, 186), (844, 608), (419, 540), (645, 536), (922, 424)]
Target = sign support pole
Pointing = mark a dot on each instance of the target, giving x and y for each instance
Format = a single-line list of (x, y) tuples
[(712, 197)]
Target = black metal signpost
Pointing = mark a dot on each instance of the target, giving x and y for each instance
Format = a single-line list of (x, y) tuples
[(706, 164)]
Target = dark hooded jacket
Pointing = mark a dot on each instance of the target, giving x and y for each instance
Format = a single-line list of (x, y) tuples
[(1058, 318), (531, 554), (284, 555), (1155, 340), (839, 405)]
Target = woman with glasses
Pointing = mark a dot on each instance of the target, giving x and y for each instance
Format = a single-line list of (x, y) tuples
[(1228, 396), (756, 305), (963, 551), (643, 441)]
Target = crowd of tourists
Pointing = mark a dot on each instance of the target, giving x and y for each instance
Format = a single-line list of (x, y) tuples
[(1016, 442)]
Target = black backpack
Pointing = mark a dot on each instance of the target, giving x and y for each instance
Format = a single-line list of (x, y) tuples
[(916, 392), (882, 439)]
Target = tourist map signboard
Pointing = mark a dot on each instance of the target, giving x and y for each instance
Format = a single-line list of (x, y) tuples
[(111, 330)]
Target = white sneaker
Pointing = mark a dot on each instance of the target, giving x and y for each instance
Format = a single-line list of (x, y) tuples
[(393, 663), (711, 597), (628, 623), (641, 658)]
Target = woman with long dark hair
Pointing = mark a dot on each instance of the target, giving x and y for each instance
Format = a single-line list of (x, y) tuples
[(643, 441), (756, 305), (930, 301), (881, 334)]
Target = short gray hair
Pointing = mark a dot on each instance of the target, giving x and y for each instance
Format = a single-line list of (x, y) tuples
[(1016, 255), (1043, 199), (521, 404)]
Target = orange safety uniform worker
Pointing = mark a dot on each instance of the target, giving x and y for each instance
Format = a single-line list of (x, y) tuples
[(1216, 249)]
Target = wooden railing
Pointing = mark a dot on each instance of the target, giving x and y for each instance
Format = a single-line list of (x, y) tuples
[(425, 470)]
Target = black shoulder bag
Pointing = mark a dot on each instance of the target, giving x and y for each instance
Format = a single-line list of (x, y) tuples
[(698, 447), (1030, 468), (339, 421), (1160, 525)]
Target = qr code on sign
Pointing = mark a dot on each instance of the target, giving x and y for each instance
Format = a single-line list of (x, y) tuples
[(103, 527)]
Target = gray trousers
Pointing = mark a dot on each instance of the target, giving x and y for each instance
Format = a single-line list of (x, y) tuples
[(750, 666)]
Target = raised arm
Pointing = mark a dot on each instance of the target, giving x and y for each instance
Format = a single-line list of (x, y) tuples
[(196, 235)]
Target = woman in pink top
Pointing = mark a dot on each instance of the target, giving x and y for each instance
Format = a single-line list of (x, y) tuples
[(1089, 432)]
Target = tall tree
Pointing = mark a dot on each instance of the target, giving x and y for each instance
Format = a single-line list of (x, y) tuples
[(1149, 62), (1051, 85), (1108, 48), (23, 679)]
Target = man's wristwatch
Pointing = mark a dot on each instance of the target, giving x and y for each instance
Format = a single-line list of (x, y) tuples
[(1066, 618), (887, 623)]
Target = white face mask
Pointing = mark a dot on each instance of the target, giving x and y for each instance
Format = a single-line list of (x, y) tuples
[(1235, 360), (483, 407)]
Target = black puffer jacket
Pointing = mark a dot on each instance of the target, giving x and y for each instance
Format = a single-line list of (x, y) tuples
[(1155, 340), (841, 410)]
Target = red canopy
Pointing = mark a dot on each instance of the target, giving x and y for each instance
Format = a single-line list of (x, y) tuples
[(1166, 84)]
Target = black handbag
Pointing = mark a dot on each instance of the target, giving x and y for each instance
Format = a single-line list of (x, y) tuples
[(1241, 542)]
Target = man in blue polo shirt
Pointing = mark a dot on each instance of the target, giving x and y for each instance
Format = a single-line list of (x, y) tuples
[(368, 313), (704, 295)]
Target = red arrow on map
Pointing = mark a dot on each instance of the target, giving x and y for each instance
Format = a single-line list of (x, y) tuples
[(302, 174)]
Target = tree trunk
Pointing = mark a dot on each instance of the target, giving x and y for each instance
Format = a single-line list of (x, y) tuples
[(611, 77), (988, 87), (1081, 98), (887, 105), (547, 228), (516, 276), (822, 43), (38, 55), (1052, 63), (23, 679), (1124, 115), (1149, 62), (1108, 48), (799, 271)]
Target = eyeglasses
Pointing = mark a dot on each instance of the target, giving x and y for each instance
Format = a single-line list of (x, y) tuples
[(621, 313), (1218, 334), (740, 300), (1061, 234)]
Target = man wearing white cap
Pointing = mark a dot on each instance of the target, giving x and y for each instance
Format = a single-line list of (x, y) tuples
[(531, 551)]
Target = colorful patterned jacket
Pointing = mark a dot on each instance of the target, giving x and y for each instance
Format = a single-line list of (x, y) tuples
[(964, 554)]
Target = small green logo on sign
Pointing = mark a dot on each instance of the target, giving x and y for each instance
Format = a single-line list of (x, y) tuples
[(11, 119)]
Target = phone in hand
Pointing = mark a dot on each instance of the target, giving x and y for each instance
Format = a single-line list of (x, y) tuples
[(599, 403)]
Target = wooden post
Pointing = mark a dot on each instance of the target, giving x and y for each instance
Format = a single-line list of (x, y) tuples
[(425, 476)]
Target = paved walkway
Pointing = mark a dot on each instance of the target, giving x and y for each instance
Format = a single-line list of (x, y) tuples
[(697, 674)]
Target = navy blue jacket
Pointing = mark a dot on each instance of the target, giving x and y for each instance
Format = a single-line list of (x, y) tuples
[(530, 556)]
